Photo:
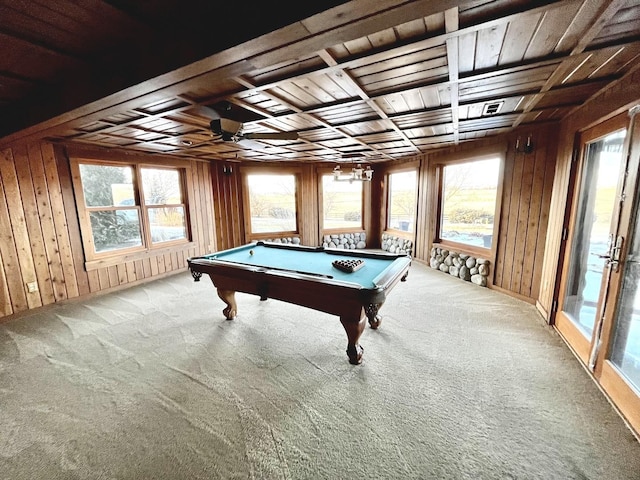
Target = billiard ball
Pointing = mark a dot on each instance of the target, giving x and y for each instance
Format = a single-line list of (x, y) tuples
[(250, 252)]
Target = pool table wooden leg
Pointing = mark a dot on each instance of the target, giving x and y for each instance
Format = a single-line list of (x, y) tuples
[(371, 311), (354, 330), (229, 297)]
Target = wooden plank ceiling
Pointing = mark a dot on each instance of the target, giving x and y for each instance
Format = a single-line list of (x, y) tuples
[(373, 80)]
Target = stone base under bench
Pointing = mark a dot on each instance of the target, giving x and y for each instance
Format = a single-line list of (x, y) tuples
[(350, 241), (287, 240), (395, 244), (461, 265)]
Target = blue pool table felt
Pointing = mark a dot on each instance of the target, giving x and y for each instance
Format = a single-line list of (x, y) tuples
[(312, 262)]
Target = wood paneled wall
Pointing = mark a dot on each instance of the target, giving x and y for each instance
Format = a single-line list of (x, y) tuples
[(40, 236), (524, 215), (227, 202), (524, 209)]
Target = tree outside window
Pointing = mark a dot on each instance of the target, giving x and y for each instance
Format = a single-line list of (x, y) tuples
[(164, 204), (469, 194), (402, 201)]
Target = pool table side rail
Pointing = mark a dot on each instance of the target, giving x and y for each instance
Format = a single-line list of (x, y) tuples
[(204, 265), (398, 271), (332, 251)]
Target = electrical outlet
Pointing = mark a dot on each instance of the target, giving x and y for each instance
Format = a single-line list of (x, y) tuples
[(32, 287)]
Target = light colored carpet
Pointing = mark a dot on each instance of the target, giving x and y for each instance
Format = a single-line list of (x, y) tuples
[(459, 382)]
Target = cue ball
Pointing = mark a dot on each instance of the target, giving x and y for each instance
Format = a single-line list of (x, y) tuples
[(250, 252)]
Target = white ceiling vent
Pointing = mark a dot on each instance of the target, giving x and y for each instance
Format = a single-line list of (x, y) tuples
[(492, 108)]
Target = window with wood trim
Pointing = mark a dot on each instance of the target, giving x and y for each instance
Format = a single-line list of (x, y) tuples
[(402, 198), (468, 201), (127, 208), (272, 203), (342, 204)]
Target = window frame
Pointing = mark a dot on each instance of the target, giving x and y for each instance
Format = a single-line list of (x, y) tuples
[(328, 172), (402, 169), (468, 158), (93, 259), (246, 200)]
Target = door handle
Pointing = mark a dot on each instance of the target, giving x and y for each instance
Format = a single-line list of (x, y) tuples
[(614, 260)]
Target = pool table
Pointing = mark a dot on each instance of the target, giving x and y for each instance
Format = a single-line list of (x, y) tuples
[(306, 276)]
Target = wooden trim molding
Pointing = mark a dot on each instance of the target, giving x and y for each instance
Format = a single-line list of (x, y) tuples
[(132, 257)]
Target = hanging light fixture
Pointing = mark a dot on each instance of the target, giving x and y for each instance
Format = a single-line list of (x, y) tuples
[(358, 174)]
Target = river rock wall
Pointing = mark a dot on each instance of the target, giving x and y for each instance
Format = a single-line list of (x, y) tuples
[(395, 244), (466, 267), (348, 241)]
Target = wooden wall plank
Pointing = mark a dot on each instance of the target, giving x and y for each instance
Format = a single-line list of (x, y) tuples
[(145, 267), (502, 254), (138, 270), (5, 300), (512, 222), (45, 214), (103, 277), (18, 225), (543, 224), (15, 297), (60, 219), (38, 250), (198, 206), (535, 202), (112, 276), (130, 268), (524, 214), (162, 264), (153, 265), (123, 274), (208, 226), (218, 205), (71, 214), (233, 206), (94, 281)]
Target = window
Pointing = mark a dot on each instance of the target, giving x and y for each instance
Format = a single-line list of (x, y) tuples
[(164, 207), (402, 201), (272, 203), (130, 207), (468, 201), (341, 204)]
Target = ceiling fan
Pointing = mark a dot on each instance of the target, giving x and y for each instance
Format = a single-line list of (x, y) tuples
[(227, 121)]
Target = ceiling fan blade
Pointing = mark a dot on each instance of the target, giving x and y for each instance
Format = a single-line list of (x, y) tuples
[(271, 136), (252, 144), (206, 112)]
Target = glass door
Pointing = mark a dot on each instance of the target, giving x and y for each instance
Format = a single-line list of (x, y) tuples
[(593, 232), (599, 314), (617, 361), (625, 347)]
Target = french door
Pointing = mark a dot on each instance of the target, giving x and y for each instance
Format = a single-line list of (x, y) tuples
[(599, 299)]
